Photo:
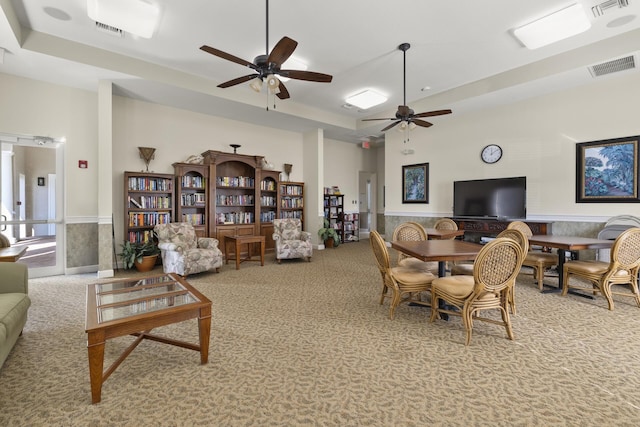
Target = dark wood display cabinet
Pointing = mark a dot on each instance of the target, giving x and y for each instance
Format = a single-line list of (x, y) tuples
[(269, 202), (234, 197), (191, 182), (476, 228)]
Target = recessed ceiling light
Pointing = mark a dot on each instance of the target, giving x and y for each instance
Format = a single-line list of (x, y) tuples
[(133, 16), (557, 26), (57, 13), (366, 99), (619, 22)]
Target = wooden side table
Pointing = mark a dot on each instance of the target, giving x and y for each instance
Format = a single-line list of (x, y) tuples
[(12, 253), (238, 241)]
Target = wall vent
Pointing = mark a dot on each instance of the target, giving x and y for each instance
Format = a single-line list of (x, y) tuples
[(114, 31), (613, 66), (607, 6)]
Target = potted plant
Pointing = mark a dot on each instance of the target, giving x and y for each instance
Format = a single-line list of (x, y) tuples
[(329, 235), (141, 255)]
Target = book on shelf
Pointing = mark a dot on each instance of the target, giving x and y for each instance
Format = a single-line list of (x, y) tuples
[(133, 202)]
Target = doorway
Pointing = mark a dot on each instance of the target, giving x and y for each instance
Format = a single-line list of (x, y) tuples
[(31, 199), (367, 202)]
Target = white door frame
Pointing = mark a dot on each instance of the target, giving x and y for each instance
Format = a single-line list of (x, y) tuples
[(55, 219)]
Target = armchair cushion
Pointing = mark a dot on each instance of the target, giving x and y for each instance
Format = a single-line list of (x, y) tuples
[(291, 241), (14, 305), (183, 252)]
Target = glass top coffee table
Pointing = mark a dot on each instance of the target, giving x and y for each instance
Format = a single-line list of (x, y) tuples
[(135, 307)]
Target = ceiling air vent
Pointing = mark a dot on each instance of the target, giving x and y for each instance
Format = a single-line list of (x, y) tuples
[(606, 6), (620, 64), (114, 31)]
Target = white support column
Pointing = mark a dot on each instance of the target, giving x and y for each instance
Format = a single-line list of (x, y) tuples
[(313, 155), (105, 178)]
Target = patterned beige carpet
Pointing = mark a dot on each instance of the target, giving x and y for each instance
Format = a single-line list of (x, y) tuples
[(306, 344)]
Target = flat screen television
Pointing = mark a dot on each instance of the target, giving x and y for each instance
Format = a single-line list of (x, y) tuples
[(500, 198)]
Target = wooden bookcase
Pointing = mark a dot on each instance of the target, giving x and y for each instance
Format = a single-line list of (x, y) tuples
[(292, 200), (351, 225), (269, 202), (347, 224), (234, 197), (334, 212), (191, 183), (148, 200)]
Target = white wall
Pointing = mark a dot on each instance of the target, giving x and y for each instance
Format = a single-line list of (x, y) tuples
[(539, 139), (343, 162), (30, 107)]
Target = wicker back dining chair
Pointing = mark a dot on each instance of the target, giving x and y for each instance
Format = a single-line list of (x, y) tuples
[(537, 260), (445, 224), (622, 269), (523, 241), (449, 224), (494, 273), (412, 231), (400, 284)]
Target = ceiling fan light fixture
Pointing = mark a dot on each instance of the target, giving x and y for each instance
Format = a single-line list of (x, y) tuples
[(402, 126), (272, 81), (412, 126), (133, 16), (366, 99), (273, 84), (256, 84), (564, 23)]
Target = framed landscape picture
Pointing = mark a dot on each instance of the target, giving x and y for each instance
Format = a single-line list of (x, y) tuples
[(607, 171), (415, 183)]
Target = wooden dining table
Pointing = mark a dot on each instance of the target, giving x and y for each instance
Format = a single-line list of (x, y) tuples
[(572, 244), (438, 250)]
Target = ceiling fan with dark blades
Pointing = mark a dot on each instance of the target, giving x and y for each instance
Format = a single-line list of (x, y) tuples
[(267, 67), (406, 115)]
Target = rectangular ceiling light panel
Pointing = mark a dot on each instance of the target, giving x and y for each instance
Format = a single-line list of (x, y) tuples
[(366, 99), (557, 26), (133, 16)]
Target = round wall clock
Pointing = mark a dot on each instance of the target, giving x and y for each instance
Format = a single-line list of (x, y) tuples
[(491, 153)]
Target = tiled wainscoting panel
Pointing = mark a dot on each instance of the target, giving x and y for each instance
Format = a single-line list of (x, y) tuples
[(82, 244)]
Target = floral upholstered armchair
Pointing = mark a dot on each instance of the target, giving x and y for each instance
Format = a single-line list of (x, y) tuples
[(183, 252), (291, 241)]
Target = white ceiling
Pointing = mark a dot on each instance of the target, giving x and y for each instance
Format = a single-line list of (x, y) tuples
[(463, 50)]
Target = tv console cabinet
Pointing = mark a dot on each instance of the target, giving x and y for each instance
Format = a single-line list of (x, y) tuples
[(493, 227)]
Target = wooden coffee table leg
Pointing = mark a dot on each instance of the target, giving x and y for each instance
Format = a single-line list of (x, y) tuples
[(204, 329), (237, 254), (95, 348), (261, 252)]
